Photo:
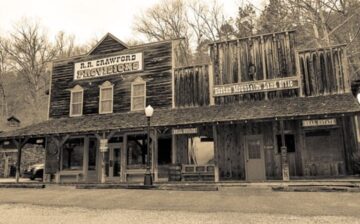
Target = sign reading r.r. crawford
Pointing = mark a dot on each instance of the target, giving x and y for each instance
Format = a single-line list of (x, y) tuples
[(108, 66), (256, 86)]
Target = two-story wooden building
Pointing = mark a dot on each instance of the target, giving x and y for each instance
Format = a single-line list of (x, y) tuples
[(260, 110)]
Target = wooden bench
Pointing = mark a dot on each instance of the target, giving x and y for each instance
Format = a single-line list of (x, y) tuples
[(76, 173), (198, 172)]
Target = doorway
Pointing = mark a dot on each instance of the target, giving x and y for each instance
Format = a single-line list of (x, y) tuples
[(254, 157), (112, 162)]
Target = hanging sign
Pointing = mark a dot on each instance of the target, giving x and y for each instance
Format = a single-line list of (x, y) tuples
[(319, 122), (104, 145), (256, 86), (185, 131), (108, 66)]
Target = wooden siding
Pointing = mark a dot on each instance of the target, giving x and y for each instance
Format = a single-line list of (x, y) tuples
[(108, 45), (261, 57), (324, 71), (192, 86), (157, 74)]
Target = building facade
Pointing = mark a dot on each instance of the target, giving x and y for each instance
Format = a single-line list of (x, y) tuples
[(260, 110)]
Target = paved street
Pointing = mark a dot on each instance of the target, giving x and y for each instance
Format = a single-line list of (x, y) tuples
[(58, 204)]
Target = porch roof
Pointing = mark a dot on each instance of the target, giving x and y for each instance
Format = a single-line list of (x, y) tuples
[(287, 108)]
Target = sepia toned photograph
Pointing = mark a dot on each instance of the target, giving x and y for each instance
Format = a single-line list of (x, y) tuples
[(179, 111)]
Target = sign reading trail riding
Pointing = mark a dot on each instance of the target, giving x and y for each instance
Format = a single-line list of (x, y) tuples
[(108, 66), (185, 131), (256, 86)]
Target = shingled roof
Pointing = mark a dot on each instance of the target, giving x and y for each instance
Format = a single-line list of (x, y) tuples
[(299, 107)]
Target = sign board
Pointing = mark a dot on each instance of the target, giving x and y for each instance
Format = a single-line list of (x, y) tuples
[(108, 66), (185, 131), (256, 86), (319, 122), (104, 145)]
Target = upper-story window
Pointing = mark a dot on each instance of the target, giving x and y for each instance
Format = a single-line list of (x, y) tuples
[(76, 101), (106, 98), (138, 94)]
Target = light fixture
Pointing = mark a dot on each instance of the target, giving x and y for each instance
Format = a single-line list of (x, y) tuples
[(149, 111), (358, 96)]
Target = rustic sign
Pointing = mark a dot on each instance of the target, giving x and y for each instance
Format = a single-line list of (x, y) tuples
[(104, 145), (256, 86), (185, 131), (319, 122), (108, 66)]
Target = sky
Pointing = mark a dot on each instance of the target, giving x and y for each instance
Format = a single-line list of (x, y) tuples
[(88, 19)]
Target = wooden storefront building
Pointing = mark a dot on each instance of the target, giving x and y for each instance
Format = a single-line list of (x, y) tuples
[(260, 110)]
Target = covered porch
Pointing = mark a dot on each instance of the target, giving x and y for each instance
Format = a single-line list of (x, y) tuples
[(230, 135)]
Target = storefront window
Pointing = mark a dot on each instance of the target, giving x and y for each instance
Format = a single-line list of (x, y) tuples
[(201, 150), (136, 151), (72, 156)]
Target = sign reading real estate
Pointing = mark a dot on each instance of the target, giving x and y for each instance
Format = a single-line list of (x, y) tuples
[(185, 131), (256, 86), (319, 122), (108, 66)]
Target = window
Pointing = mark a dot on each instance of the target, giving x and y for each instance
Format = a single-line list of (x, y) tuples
[(106, 98), (72, 156), (76, 101), (289, 142), (138, 94)]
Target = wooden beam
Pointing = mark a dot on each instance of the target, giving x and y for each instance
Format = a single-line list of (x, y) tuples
[(19, 143), (284, 159)]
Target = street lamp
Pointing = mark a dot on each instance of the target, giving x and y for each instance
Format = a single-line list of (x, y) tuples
[(148, 178)]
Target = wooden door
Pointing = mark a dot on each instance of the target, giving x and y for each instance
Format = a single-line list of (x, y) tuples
[(112, 162), (254, 157)]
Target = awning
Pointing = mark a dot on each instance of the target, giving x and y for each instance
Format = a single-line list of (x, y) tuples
[(286, 108)]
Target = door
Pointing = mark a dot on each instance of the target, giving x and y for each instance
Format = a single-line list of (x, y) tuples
[(112, 162), (254, 157)]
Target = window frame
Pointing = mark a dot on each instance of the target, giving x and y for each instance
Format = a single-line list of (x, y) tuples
[(76, 89), (137, 81), (106, 85)]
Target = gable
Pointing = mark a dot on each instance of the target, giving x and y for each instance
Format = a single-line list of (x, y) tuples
[(108, 44)]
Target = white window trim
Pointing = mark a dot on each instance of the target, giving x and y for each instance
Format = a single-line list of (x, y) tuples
[(137, 81), (106, 85), (76, 89)]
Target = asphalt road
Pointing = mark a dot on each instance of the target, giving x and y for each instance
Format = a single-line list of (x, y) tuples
[(231, 205)]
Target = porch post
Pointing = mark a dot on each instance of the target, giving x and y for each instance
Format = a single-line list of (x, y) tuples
[(19, 145), (284, 160), (59, 142), (216, 153)]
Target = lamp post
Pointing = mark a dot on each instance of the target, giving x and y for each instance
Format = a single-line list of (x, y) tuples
[(148, 177)]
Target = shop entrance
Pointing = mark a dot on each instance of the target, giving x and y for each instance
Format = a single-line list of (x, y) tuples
[(254, 157), (112, 162)]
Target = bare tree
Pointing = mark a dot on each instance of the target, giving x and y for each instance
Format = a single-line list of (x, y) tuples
[(3, 71), (30, 54)]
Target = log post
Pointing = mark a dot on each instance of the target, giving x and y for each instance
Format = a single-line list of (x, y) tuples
[(284, 160), (19, 143), (59, 142)]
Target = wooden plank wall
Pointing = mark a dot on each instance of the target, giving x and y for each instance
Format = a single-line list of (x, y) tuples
[(192, 86), (157, 74), (108, 45), (255, 58), (324, 71), (231, 147)]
